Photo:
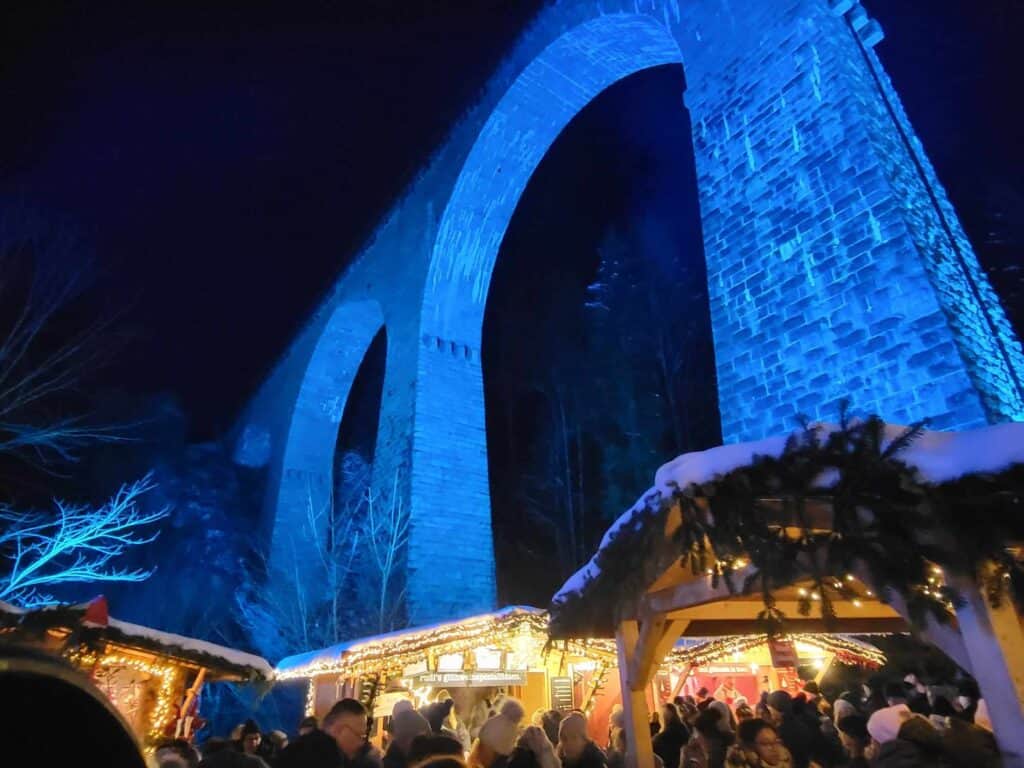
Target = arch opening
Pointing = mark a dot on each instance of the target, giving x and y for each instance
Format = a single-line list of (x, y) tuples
[(597, 348), (450, 487), (337, 374)]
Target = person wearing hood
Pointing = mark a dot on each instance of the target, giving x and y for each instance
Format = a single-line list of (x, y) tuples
[(406, 725), (672, 737), (575, 749)]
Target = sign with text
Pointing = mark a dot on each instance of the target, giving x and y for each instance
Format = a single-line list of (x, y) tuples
[(479, 679), (727, 669), (561, 693)]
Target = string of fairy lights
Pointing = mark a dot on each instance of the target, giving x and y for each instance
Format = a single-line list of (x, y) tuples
[(164, 711), (847, 650), (522, 632), (846, 588)]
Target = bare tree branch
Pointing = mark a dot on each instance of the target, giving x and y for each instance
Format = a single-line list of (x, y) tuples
[(78, 545)]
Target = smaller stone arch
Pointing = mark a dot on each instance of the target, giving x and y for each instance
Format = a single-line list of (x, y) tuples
[(307, 467)]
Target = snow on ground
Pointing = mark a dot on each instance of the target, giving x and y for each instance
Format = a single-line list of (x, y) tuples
[(939, 457)]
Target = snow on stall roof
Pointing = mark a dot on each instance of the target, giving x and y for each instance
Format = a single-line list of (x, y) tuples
[(938, 457), (230, 655), (301, 661)]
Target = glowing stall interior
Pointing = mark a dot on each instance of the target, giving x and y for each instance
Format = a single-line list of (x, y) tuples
[(153, 678)]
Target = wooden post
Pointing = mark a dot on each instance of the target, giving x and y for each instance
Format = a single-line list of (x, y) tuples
[(994, 643), (184, 728), (639, 752), (825, 666), (681, 681)]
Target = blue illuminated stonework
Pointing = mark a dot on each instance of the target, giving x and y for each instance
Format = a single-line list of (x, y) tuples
[(836, 264)]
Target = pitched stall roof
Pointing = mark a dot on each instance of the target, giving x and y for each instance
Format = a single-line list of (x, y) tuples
[(220, 662), (638, 551), (394, 651)]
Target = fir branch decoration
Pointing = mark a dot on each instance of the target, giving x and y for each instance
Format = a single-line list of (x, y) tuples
[(835, 501)]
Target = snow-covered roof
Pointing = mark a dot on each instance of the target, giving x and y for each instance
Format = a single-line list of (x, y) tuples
[(394, 651), (191, 645), (937, 457), (220, 661)]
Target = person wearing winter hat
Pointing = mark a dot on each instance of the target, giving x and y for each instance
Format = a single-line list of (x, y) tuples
[(494, 743), (853, 733), (513, 710), (250, 737), (884, 724), (575, 749), (406, 725), (917, 745)]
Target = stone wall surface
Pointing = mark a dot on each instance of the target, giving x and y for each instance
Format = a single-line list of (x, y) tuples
[(836, 264)]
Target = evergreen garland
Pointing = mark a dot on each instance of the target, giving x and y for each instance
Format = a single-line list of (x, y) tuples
[(883, 520)]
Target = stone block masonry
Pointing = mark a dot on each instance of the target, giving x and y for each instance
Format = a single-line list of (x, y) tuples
[(836, 265)]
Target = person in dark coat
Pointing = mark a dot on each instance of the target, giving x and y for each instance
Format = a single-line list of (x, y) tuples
[(918, 745), (221, 753), (969, 746), (550, 721), (672, 738), (339, 743), (406, 725), (575, 749), (792, 729), (709, 743), (854, 736), (426, 747)]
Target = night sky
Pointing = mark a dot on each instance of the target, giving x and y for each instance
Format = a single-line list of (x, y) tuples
[(223, 164)]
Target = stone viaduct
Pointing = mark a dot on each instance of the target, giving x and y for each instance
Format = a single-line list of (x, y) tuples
[(836, 265)]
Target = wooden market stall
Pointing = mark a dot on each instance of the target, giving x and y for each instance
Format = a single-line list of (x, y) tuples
[(153, 678), (479, 659), (802, 533), (744, 666), (476, 660)]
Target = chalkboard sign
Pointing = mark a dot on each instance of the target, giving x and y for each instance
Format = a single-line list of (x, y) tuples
[(561, 693)]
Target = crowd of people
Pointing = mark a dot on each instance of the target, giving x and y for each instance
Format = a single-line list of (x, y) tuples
[(904, 724)]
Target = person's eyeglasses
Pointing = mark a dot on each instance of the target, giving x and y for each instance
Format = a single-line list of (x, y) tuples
[(358, 734), (768, 744)]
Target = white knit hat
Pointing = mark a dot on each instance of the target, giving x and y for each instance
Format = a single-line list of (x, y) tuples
[(499, 733), (884, 725)]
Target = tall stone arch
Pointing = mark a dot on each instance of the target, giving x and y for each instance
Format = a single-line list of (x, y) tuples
[(307, 467), (836, 265)]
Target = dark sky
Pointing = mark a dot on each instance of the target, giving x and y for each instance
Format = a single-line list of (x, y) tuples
[(223, 162)]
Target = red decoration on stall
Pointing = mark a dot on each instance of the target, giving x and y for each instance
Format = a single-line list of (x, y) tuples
[(97, 612)]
